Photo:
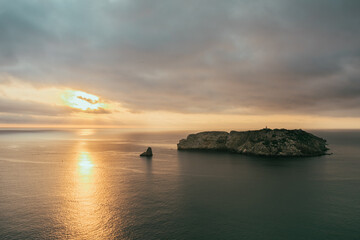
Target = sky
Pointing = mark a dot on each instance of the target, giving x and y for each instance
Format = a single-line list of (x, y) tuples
[(180, 64)]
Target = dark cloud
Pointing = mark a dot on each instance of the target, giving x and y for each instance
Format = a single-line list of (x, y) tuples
[(30, 108), (281, 56)]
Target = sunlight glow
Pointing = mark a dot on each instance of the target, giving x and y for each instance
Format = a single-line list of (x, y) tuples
[(82, 100), (85, 163), (86, 132)]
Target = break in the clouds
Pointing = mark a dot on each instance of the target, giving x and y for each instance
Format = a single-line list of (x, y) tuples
[(240, 57)]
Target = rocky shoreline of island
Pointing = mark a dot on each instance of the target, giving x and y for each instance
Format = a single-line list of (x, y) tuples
[(264, 142)]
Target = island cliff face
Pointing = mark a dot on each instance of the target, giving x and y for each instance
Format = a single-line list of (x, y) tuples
[(265, 142)]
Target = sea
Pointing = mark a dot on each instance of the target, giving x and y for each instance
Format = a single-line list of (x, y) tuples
[(92, 184)]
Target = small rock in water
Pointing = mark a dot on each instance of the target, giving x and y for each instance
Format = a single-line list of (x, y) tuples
[(148, 153)]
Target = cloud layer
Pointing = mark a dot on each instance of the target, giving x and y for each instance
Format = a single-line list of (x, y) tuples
[(236, 57)]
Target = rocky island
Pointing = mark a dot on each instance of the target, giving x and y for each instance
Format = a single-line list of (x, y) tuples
[(148, 153), (264, 142)]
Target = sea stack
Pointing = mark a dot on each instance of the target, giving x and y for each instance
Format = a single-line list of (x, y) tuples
[(264, 142), (148, 153)]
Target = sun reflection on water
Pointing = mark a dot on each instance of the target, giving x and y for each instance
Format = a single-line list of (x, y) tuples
[(86, 217), (86, 210), (85, 163)]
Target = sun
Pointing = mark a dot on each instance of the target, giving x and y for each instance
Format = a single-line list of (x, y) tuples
[(82, 100)]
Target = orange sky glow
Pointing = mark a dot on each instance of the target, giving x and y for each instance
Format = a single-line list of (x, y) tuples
[(80, 109)]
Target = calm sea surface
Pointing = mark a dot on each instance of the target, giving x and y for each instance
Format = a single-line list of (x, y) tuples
[(92, 184)]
